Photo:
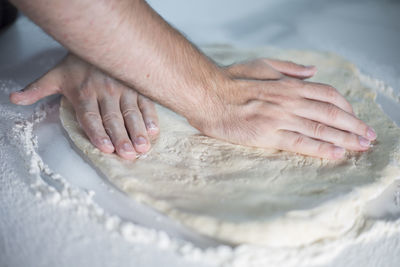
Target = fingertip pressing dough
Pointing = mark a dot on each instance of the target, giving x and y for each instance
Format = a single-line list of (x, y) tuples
[(241, 195)]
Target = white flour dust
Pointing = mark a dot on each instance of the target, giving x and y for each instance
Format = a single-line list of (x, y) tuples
[(18, 128), (54, 189)]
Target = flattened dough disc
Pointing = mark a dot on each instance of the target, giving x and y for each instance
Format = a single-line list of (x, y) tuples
[(247, 195)]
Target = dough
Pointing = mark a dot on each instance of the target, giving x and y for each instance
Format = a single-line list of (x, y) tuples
[(245, 195)]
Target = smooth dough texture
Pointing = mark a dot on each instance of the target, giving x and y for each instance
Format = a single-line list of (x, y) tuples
[(245, 195)]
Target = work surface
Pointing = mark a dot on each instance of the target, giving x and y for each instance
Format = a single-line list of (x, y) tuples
[(35, 232)]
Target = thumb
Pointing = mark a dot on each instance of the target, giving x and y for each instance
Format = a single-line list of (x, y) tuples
[(292, 69), (48, 84)]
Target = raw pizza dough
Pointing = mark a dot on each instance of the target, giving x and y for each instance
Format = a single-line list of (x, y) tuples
[(246, 195)]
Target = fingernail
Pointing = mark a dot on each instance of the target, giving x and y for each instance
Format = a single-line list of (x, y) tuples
[(371, 135), (128, 148), (140, 140), (338, 152), (151, 126), (364, 142), (107, 142), (310, 66)]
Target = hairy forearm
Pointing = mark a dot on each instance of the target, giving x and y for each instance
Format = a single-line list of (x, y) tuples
[(130, 41)]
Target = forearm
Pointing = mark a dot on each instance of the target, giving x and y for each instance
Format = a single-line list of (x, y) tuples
[(131, 42)]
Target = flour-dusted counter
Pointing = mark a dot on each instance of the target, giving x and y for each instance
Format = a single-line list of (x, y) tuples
[(39, 232)]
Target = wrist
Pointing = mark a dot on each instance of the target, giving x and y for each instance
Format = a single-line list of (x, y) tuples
[(206, 112)]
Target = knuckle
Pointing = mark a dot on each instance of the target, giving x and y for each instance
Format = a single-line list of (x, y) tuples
[(130, 112), (111, 87), (274, 120), (253, 105), (234, 70), (128, 99), (130, 95), (295, 86), (90, 116), (86, 92), (332, 112), (145, 103), (291, 102), (111, 116), (319, 129), (257, 93), (280, 99), (332, 93), (298, 141)]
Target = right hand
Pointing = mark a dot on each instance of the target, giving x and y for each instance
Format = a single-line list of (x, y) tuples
[(265, 103)]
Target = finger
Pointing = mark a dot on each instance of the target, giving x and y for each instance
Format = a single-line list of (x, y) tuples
[(48, 84), (292, 69), (134, 121), (149, 113), (88, 115), (326, 133), (256, 69), (326, 93), (332, 115), (299, 143), (115, 127)]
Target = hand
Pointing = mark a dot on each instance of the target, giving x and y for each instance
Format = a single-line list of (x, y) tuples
[(114, 117), (265, 103)]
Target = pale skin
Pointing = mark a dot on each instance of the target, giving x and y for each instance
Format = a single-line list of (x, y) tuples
[(254, 104)]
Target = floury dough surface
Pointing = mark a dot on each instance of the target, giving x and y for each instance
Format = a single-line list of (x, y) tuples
[(246, 195)]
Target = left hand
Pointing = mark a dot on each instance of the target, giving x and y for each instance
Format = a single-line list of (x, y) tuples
[(113, 116)]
